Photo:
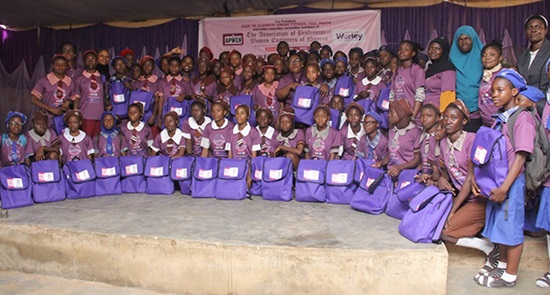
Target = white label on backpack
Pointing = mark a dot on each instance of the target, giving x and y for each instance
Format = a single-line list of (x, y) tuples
[(304, 102), (15, 183), (404, 184), (258, 174), (275, 174), (131, 169), (178, 111), (108, 171), (361, 176), (118, 98), (206, 174), (231, 171), (156, 171), (343, 91), (83, 175), (45, 176), (181, 173), (370, 181), (386, 104), (480, 154), (339, 177), (311, 175)]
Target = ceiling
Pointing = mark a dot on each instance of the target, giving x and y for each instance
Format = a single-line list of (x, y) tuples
[(20, 14)]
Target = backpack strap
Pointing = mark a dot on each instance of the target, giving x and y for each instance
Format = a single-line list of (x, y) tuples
[(437, 233), (423, 198)]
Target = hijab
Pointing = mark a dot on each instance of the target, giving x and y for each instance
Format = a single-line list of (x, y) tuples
[(443, 63)]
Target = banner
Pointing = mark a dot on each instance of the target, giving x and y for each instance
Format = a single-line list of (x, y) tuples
[(259, 35)]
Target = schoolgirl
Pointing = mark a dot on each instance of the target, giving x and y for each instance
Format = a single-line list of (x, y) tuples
[(216, 136), (337, 103), (327, 75), (226, 88), (322, 141), (149, 82), (75, 143), (14, 141), (245, 140), (174, 85), (73, 70), (204, 85), (188, 67), (137, 133), (291, 140), (42, 142), (374, 145), (354, 57), (385, 55), (429, 116), (268, 134), (264, 93), (353, 132), (119, 77), (110, 142), (170, 142), (235, 62), (193, 128), (248, 82), (370, 86)]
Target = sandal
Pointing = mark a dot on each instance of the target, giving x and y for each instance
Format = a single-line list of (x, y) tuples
[(491, 261), (544, 281), (487, 280), (480, 278)]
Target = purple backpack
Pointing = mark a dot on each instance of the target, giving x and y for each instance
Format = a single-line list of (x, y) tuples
[(257, 166), (119, 96), (406, 189), (361, 164), (157, 174), (132, 179), (339, 181), (107, 171), (367, 104), (15, 190), (427, 215), (47, 183), (179, 107), (181, 172), (335, 119), (373, 192), (277, 179), (238, 100), (345, 87), (205, 176), (59, 124), (146, 99), (490, 159), (80, 179), (306, 99), (232, 179), (310, 181), (383, 102)]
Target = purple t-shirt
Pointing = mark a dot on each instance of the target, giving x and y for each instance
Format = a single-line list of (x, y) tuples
[(192, 130), (375, 149), (320, 144), (151, 84), (92, 93), (524, 136), (13, 151), (244, 142), (217, 138), (374, 87), (455, 156), (225, 94), (268, 141), (350, 142), (437, 84), (167, 145), (262, 96), (427, 147), (406, 81), (296, 136), (403, 143), (288, 79), (35, 141), (75, 148), (48, 91), (544, 122), (206, 85), (486, 106), (119, 144), (138, 139)]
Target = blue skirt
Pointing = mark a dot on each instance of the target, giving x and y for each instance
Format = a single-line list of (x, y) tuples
[(543, 217)]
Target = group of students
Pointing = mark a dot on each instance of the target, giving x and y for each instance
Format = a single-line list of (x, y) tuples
[(85, 112)]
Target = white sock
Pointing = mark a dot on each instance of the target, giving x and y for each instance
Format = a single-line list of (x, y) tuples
[(502, 264), (476, 243), (548, 245), (508, 277)]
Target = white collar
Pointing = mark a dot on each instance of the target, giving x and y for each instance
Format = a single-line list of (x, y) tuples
[(359, 134), (42, 139), (366, 81), (138, 128), (194, 125), (164, 137), (269, 133), (215, 126), (245, 130), (70, 138)]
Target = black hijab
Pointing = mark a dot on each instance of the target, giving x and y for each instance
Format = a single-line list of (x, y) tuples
[(443, 64)]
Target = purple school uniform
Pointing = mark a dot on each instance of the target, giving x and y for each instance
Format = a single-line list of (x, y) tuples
[(290, 78), (524, 136), (75, 148), (244, 142), (455, 156), (437, 84), (544, 122), (91, 91), (149, 84), (406, 81), (217, 138), (119, 144), (167, 145), (138, 139), (48, 91), (174, 86), (331, 85), (373, 87), (402, 143), (293, 139), (320, 144), (350, 142), (268, 141), (206, 86), (13, 152), (543, 216), (486, 106), (35, 141), (375, 149), (247, 89), (265, 98), (192, 130), (225, 94), (427, 146)]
